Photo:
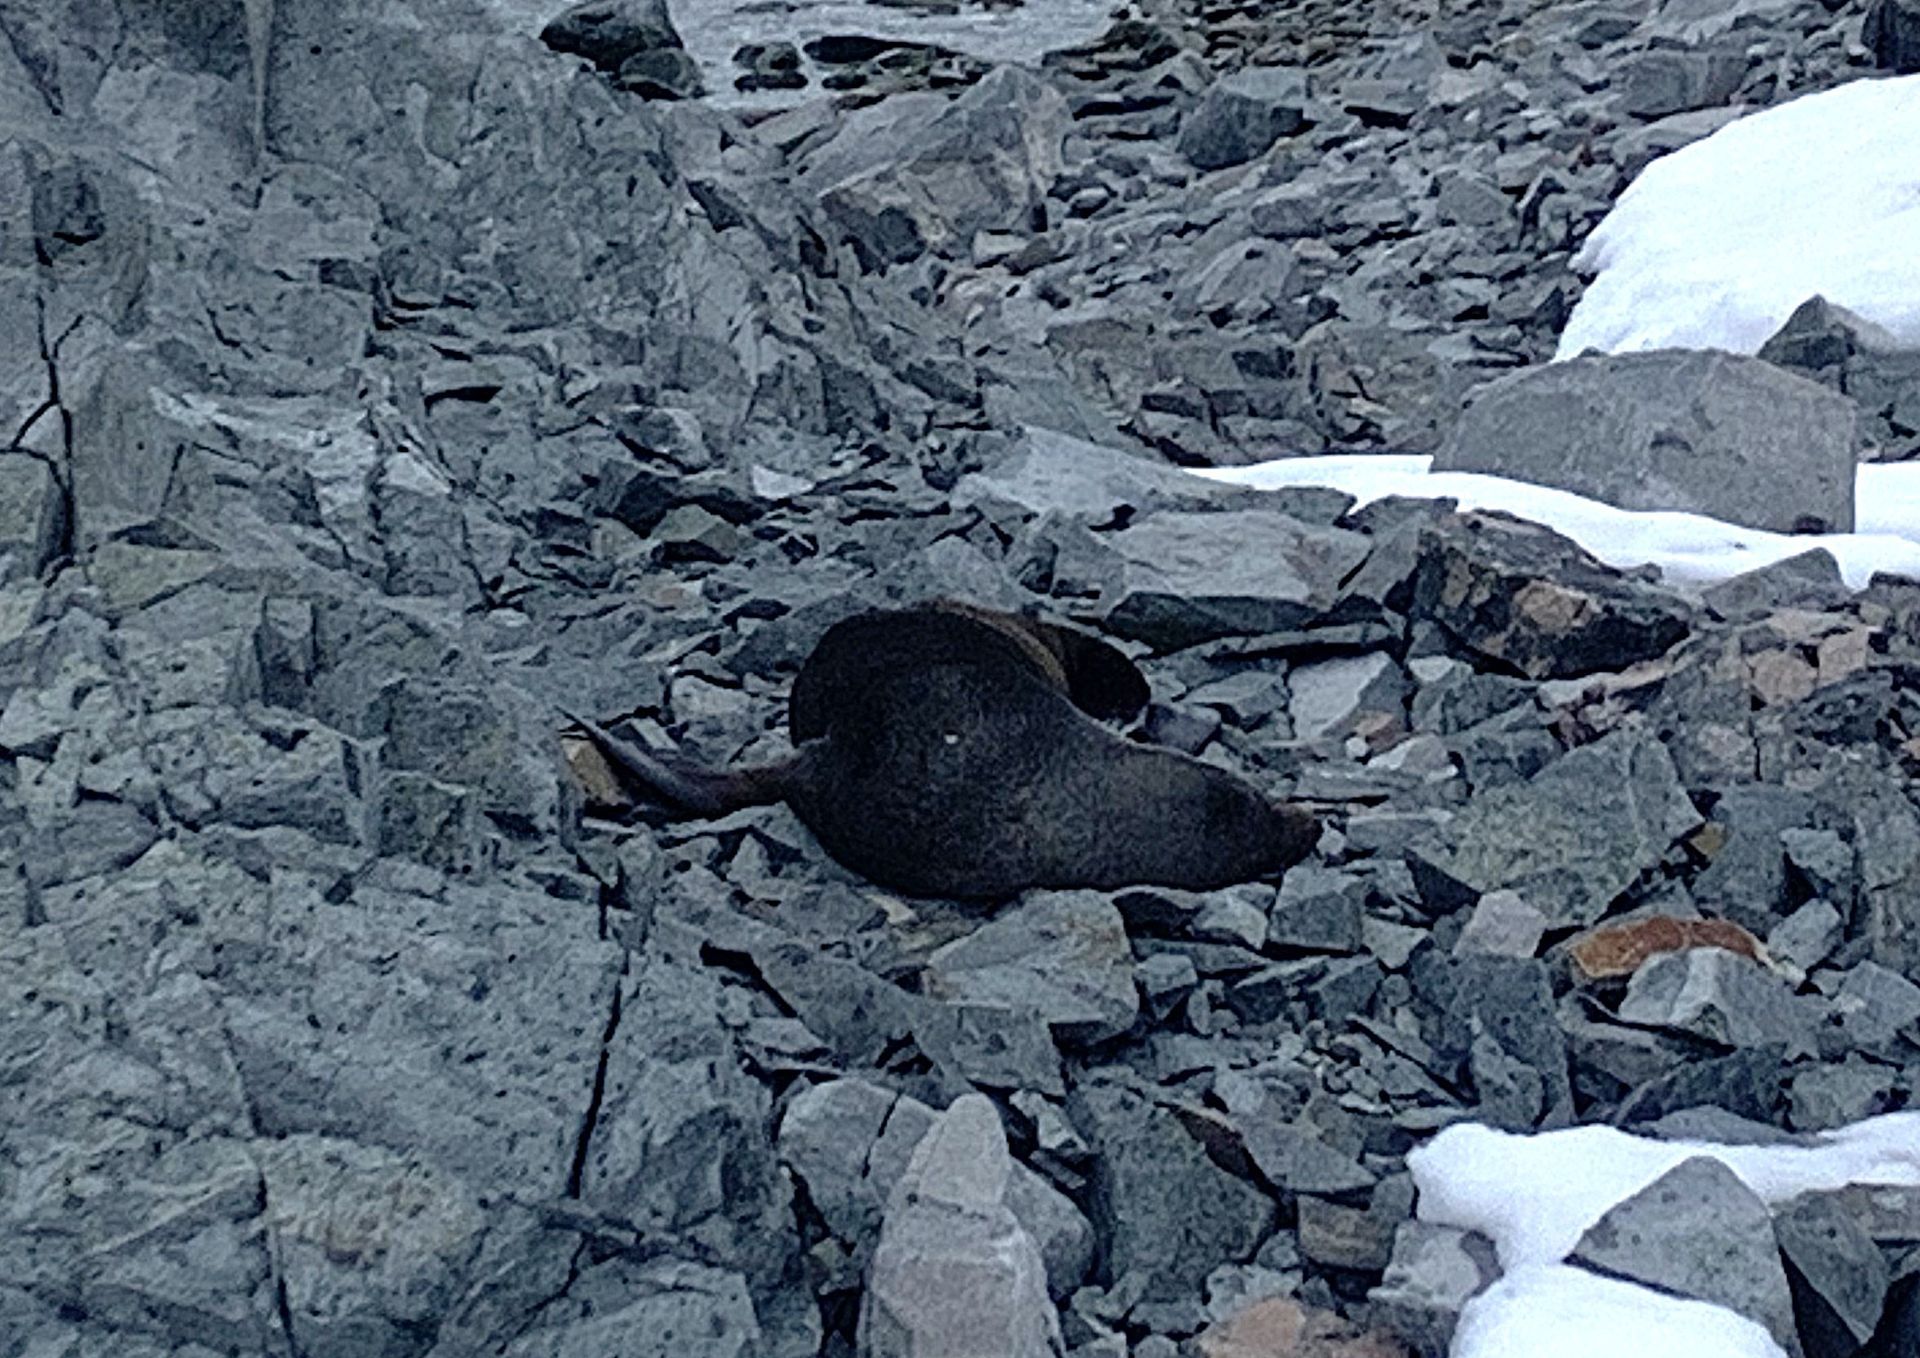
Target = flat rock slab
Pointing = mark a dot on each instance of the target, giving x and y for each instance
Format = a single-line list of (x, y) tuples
[(1697, 1231), (1571, 839), (1696, 430), (1062, 955), (1192, 577)]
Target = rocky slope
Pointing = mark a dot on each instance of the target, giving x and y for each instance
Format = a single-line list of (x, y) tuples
[(374, 378)]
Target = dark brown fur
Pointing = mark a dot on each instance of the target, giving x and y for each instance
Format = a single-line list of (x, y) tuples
[(948, 751)]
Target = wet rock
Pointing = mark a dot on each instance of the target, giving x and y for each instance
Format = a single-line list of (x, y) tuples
[(1697, 1231), (1529, 599), (953, 1272), (1706, 432), (1241, 116), (663, 73), (1061, 955), (1551, 841)]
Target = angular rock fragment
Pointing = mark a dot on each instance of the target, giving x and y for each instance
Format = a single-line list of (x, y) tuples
[(1191, 577), (1570, 852), (1721, 996), (918, 173), (1062, 955), (1525, 597), (1244, 114), (1165, 1209), (1435, 1271), (953, 1274), (1697, 1231), (1838, 1274)]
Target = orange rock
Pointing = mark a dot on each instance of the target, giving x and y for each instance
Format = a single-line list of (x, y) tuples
[(1617, 950)]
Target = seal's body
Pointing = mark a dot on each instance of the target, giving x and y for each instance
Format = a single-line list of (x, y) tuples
[(949, 751)]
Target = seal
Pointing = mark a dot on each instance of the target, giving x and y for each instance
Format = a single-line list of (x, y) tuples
[(949, 750)]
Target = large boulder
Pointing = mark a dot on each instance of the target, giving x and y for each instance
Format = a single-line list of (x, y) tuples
[(916, 172), (1707, 432), (1243, 115)]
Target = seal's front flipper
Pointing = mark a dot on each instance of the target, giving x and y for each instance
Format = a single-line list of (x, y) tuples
[(685, 786)]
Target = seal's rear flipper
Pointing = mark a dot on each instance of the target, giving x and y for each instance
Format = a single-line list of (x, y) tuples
[(687, 787)]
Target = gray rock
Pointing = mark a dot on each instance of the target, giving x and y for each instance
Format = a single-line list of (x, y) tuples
[(676, 1142), (1891, 31), (849, 1141), (610, 32), (1807, 937), (33, 516), (1697, 1231), (1809, 580), (1434, 1272), (654, 1309), (1820, 1098), (330, 1205), (1317, 909), (1707, 432), (1193, 577), (1552, 841), (918, 173), (1333, 698), (1844, 1275), (1503, 924), (1747, 879), (1243, 115), (1527, 598), (1720, 996), (1166, 1211), (1876, 1008), (1294, 1158), (953, 1272), (1663, 81), (1358, 1238), (1062, 955), (1496, 1017), (663, 73)]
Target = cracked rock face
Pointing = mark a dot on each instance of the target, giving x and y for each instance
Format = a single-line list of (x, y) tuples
[(377, 380)]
